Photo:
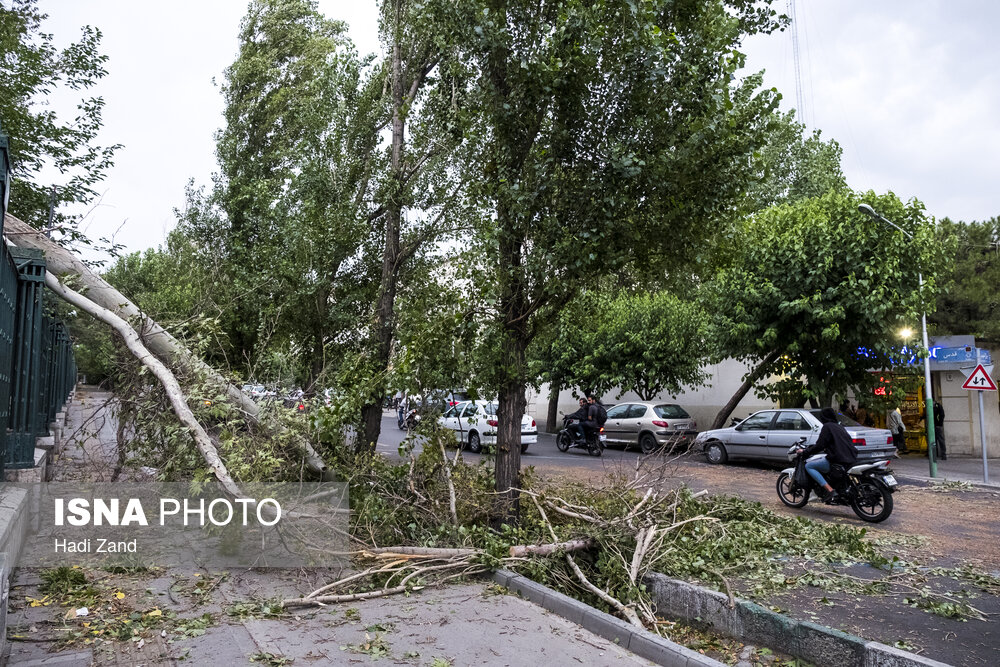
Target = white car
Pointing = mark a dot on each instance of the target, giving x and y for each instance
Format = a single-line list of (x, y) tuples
[(475, 425)]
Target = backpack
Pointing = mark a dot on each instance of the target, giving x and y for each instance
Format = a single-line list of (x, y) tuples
[(602, 415)]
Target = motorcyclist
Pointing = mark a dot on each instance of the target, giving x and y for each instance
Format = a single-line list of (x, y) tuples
[(591, 424), (576, 428), (835, 441)]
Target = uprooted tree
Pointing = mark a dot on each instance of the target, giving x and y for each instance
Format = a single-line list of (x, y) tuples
[(147, 340)]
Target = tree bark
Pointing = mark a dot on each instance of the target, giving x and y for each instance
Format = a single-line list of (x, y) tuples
[(166, 348), (755, 374), (383, 326), (552, 416)]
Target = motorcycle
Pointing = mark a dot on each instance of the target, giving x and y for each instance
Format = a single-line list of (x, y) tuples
[(593, 441), (866, 487), (407, 420)]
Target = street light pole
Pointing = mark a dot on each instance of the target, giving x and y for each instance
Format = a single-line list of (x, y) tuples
[(928, 397)]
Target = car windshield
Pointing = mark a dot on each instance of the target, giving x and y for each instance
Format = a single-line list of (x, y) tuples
[(843, 419), (670, 412)]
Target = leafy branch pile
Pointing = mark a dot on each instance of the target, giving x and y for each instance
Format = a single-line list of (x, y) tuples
[(426, 521)]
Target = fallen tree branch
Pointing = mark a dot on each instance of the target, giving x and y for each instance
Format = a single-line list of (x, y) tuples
[(518, 551), (159, 342), (161, 372)]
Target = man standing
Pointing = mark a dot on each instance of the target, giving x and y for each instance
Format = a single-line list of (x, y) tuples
[(894, 422), (942, 453)]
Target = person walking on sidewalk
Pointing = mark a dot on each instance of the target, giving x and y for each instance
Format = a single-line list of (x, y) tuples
[(894, 422), (942, 453)]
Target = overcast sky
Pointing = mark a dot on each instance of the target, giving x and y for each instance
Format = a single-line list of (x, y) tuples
[(909, 88)]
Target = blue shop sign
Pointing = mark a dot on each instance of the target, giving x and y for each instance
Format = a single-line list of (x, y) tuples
[(959, 355)]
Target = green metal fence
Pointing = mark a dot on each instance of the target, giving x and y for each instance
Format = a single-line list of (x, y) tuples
[(37, 366)]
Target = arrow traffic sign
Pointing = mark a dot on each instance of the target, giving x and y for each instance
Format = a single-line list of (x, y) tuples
[(980, 380)]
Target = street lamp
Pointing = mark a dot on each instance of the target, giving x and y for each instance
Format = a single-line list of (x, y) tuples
[(928, 400)]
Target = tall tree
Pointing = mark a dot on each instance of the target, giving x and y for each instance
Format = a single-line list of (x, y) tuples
[(598, 134), (297, 158), (414, 36), (970, 300), (31, 68)]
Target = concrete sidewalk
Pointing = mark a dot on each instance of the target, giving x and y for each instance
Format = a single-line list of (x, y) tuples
[(955, 469)]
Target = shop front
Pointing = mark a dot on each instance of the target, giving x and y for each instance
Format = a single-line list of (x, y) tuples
[(951, 358)]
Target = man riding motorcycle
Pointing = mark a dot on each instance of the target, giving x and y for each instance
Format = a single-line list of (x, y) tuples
[(576, 429), (835, 441)]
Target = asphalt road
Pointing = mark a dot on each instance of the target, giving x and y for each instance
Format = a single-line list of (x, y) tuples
[(543, 455)]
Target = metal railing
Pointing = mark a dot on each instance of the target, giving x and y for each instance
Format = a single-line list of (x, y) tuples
[(37, 365)]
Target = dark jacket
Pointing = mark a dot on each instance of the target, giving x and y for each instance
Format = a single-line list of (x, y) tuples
[(580, 414), (591, 422), (836, 442), (938, 415)]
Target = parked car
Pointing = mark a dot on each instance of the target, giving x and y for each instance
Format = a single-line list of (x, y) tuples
[(767, 435), (649, 425), (475, 425)]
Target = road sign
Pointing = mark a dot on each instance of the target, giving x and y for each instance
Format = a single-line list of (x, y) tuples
[(980, 380)]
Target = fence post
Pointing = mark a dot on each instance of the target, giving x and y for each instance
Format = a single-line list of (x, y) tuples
[(27, 367)]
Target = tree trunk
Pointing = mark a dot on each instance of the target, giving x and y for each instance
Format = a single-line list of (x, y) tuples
[(552, 416), (383, 326), (755, 374), (508, 457), (61, 262)]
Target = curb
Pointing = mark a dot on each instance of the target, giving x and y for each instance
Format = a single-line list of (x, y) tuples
[(641, 642), (753, 623), (930, 481)]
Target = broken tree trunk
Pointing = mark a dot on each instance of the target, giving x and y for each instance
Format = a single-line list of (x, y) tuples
[(160, 371), (165, 347)]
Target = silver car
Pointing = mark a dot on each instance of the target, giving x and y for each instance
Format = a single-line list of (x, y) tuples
[(767, 435), (649, 425)]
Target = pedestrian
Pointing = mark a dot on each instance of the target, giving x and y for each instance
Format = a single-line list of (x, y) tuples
[(861, 414), (942, 453), (894, 422)]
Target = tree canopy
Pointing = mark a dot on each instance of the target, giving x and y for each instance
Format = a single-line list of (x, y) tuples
[(823, 290), (41, 142)]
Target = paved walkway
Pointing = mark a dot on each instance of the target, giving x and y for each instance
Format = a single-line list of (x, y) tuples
[(955, 469)]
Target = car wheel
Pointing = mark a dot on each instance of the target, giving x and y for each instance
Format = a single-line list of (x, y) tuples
[(475, 444), (715, 452), (647, 442), (524, 447), (563, 442), (793, 498)]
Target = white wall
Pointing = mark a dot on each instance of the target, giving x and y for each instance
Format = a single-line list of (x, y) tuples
[(703, 403), (961, 415)]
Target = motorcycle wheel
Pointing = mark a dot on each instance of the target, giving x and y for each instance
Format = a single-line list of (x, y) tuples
[(562, 442), (475, 444), (797, 498), (873, 502), (594, 448)]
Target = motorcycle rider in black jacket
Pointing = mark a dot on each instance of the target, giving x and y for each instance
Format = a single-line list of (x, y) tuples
[(836, 442), (576, 429)]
